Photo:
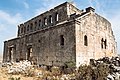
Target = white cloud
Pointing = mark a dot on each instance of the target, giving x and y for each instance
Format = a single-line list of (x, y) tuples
[(7, 18), (98, 6), (26, 5), (47, 5), (8, 26), (23, 3), (9, 22), (2, 27), (90, 3)]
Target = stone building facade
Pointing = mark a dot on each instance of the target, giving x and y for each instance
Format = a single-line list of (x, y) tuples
[(60, 35)]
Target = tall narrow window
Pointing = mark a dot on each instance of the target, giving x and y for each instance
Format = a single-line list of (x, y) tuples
[(45, 21), (102, 41), (56, 17), (105, 43), (28, 28), (50, 19), (35, 25), (61, 40), (85, 41), (39, 23), (31, 27)]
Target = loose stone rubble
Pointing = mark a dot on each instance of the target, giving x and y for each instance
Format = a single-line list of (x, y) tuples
[(113, 63), (25, 68), (17, 68)]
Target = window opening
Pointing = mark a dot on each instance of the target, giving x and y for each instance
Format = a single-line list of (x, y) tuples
[(28, 28), (50, 19), (105, 43), (10, 54), (29, 53), (61, 40), (56, 17), (39, 22), (85, 41), (35, 24), (45, 21), (31, 27), (102, 41)]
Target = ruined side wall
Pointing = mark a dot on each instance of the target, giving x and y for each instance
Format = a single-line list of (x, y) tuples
[(45, 44), (95, 28)]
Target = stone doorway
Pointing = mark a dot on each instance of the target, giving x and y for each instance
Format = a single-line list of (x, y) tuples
[(11, 52), (29, 53)]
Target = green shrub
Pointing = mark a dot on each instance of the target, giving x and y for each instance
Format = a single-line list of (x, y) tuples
[(87, 72), (84, 73), (70, 64), (102, 71)]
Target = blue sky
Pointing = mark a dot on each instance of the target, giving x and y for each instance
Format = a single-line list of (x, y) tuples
[(14, 12)]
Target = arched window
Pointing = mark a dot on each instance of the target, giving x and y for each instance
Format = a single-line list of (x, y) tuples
[(28, 28), (56, 17), (85, 41), (61, 40), (50, 19), (31, 26), (105, 43), (102, 42), (45, 21), (39, 23), (35, 25)]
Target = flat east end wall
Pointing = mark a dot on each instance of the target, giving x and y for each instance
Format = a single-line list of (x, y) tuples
[(63, 34), (94, 38)]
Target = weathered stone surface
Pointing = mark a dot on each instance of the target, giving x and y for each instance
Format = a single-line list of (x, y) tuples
[(60, 35), (21, 67)]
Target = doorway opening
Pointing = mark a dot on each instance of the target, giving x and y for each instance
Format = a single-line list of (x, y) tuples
[(11, 51), (29, 53)]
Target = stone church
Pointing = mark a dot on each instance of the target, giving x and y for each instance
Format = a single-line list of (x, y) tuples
[(62, 34)]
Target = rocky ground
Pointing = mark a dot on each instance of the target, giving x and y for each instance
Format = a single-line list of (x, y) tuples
[(25, 71), (111, 66), (101, 69)]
